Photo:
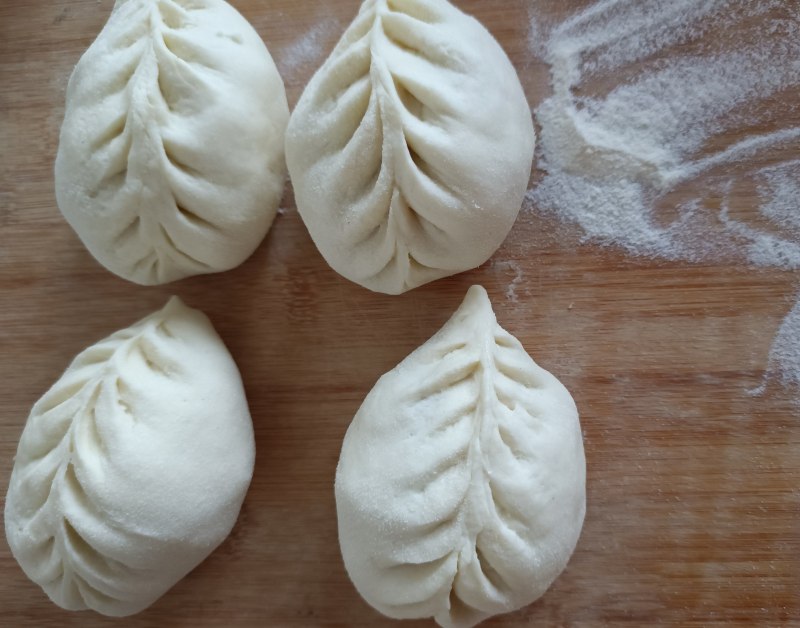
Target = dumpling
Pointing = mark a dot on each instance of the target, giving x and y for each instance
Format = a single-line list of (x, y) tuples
[(171, 159), (411, 148), (460, 489), (132, 468)]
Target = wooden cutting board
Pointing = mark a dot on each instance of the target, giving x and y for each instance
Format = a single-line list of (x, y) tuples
[(693, 512)]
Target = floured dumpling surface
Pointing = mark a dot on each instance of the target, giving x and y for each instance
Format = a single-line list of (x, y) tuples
[(460, 489), (132, 468), (171, 160), (411, 148)]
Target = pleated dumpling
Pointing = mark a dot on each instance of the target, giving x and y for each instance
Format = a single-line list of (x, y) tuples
[(171, 159), (411, 148), (460, 489), (132, 468)]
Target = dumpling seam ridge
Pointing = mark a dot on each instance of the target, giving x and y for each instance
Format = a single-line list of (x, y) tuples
[(487, 367), (393, 98), (64, 537), (162, 19)]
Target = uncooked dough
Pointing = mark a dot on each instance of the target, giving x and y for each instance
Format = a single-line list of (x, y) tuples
[(171, 160), (460, 489), (411, 148), (132, 468)]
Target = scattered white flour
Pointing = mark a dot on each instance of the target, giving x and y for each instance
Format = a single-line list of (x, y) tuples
[(516, 280), (308, 49), (784, 361), (644, 104), (779, 204)]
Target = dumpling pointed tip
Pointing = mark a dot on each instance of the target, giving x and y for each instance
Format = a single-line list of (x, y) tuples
[(173, 306), (174, 302), (477, 301), (118, 4), (477, 291)]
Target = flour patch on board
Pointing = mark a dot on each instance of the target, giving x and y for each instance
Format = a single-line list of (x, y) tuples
[(643, 105), (307, 50), (514, 270)]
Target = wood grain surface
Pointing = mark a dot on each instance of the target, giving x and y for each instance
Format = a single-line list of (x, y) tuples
[(693, 511)]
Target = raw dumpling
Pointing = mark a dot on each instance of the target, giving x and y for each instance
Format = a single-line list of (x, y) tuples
[(132, 468), (171, 160), (411, 148), (460, 489)]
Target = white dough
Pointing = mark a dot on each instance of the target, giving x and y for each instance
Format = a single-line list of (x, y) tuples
[(132, 468), (411, 148), (460, 489), (170, 162)]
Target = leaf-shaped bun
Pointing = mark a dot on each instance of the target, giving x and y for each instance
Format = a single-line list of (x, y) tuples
[(460, 489), (411, 148), (171, 160), (132, 468)]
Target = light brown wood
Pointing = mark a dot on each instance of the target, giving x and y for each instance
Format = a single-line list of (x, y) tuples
[(693, 514)]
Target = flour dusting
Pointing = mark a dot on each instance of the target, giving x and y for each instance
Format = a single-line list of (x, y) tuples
[(308, 49), (511, 267), (784, 361), (644, 104)]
